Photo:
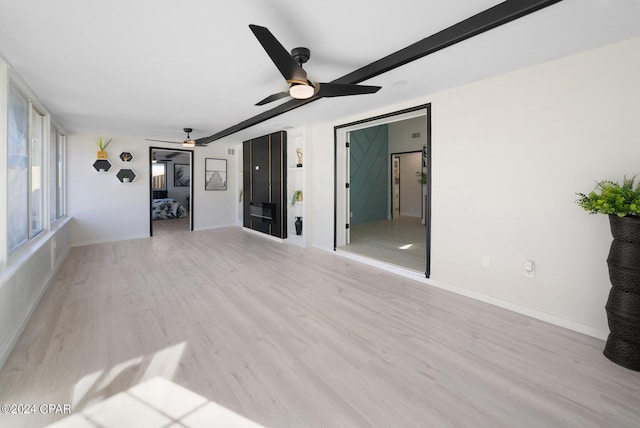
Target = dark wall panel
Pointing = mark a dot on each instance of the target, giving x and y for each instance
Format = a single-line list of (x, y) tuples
[(264, 183), (369, 196)]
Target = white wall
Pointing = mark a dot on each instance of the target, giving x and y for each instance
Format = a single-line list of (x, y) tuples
[(509, 153), (401, 140), (25, 278), (400, 135), (103, 209)]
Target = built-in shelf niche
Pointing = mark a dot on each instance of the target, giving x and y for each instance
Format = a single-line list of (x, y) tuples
[(296, 181)]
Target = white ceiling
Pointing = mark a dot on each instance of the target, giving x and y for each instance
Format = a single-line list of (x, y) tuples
[(149, 68)]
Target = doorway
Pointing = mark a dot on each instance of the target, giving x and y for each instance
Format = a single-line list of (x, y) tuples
[(396, 228), (407, 185), (170, 190)]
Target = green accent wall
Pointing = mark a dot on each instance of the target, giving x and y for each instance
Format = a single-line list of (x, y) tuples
[(369, 181)]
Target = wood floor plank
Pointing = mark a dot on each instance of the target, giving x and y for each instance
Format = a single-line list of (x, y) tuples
[(286, 336)]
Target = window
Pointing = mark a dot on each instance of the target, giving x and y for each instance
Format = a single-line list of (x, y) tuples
[(60, 168), (56, 176), (18, 170), (53, 170), (36, 177), (159, 176), (29, 172)]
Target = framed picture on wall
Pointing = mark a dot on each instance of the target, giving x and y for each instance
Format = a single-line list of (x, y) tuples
[(181, 175), (215, 174)]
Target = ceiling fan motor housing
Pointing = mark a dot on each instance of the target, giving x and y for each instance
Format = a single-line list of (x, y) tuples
[(301, 55)]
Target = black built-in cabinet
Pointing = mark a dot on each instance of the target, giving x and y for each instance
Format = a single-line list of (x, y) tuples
[(265, 184)]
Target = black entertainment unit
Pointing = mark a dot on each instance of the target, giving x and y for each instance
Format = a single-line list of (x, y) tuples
[(264, 184), (264, 212)]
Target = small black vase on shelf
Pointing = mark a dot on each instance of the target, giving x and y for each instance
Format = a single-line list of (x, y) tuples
[(298, 224)]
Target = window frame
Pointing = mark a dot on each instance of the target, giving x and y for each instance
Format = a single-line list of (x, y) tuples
[(11, 81)]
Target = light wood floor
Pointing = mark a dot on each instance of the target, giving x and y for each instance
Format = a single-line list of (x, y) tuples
[(400, 242), (171, 225), (284, 336)]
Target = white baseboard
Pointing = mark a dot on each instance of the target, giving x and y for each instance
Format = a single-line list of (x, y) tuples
[(262, 235), (107, 240), (214, 227)]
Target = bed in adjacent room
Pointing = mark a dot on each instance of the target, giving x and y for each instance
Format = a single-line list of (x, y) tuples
[(166, 208)]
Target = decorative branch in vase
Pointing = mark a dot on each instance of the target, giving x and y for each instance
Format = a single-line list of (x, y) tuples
[(299, 156), (102, 147)]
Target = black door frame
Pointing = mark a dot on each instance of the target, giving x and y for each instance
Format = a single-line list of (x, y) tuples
[(427, 163), (191, 188)]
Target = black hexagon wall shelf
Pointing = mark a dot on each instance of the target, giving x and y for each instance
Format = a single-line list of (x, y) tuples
[(126, 175), (102, 165), (126, 157)]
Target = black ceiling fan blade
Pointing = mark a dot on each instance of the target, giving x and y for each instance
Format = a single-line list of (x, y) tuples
[(273, 97), (174, 142), (163, 141), (343, 89), (288, 67)]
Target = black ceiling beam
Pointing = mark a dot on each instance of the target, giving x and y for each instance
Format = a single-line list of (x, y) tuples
[(486, 20)]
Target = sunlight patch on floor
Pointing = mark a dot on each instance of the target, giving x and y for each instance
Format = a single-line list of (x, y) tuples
[(155, 403), (99, 385)]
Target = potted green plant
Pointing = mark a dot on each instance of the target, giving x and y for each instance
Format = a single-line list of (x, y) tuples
[(621, 202), (102, 147), (612, 198), (297, 197)]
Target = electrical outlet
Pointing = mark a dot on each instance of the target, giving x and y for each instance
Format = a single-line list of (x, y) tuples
[(486, 262)]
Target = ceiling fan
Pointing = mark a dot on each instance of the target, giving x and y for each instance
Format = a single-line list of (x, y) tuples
[(500, 14), (290, 66), (188, 142)]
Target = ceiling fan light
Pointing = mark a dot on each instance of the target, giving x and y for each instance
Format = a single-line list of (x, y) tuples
[(301, 92), (188, 143)]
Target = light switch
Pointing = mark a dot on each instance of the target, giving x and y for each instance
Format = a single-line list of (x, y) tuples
[(529, 269)]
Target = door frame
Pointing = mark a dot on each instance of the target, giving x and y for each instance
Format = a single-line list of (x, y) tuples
[(191, 192), (341, 181)]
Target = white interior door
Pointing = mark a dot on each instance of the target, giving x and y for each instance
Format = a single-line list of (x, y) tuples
[(410, 184), (396, 187)]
